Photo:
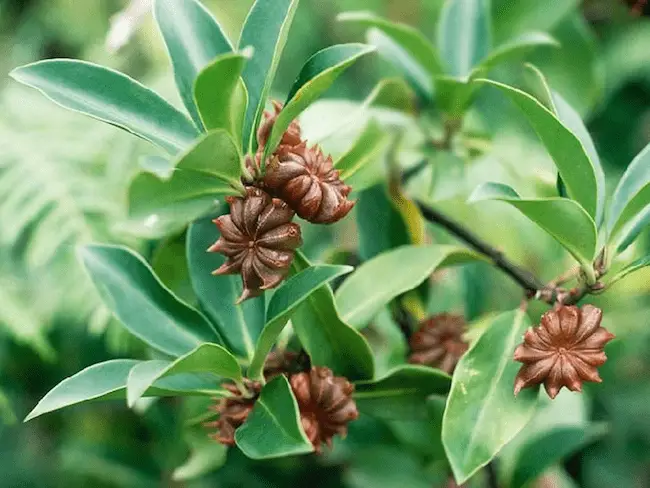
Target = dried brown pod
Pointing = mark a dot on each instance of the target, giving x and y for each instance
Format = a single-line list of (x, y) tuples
[(563, 351), (233, 411), (306, 179), (259, 240), (291, 137), (439, 342), (325, 403)]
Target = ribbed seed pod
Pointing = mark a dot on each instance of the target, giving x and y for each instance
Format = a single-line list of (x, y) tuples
[(291, 137), (259, 241), (439, 342), (563, 351), (308, 182), (326, 404), (232, 412)]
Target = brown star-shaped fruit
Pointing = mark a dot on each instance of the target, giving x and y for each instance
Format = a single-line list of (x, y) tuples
[(439, 342), (563, 351), (233, 411)]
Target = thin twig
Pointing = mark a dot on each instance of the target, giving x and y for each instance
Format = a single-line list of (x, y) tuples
[(529, 282)]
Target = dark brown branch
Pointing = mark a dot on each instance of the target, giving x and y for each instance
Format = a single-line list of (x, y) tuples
[(533, 287)]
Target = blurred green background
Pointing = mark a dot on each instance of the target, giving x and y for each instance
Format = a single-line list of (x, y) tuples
[(63, 181)]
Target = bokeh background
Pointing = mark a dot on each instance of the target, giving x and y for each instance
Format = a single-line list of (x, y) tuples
[(63, 181)]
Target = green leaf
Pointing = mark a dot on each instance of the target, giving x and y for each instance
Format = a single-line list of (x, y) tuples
[(193, 38), (328, 340), (482, 413), (147, 309), (516, 49), (239, 325), (402, 393), (220, 94), (265, 30), (416, 75), (631, 198), (512, 19), (464, 36), (111, 97), (572, 160), (367, 149), (207, 171), (563, 219), (107, 381), (378, 281), (206, 456), (317, 75), (633, 267), (410, 39), (285, 300), (206, 358), (273, 429), (98, 382)]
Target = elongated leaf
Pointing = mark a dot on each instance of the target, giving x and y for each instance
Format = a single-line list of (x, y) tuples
[(328, 340), (410, 39), (107, 381), (378, 281), (265, 30), (370, 145), (566, 149), (515, 49), (207, 358), (416, 75), (207, 171), (283, 304), (316, 76), (193, 38), (98, 382), (464, 36), (402, 393), (631, 197), (512, 19), (111, 97), (206, 456), (563, 219), (482, 414), (633, 267), (220, 94), (273, 428), (141, 302), (239, 325)]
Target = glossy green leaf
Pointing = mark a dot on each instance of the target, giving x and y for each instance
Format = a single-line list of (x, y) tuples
[(239, 325), (111, 97), (414, 73), (482, 413), (512, 19), (265, 30), (156, 165), (284, 303), (209, 170), (273, 428), (142, 303), (206, 456), (107, 381), (328, 340), (464, 36), (193, 38), (317, 76), (537, 85), (367, 149), (633, 267), (563, 219), (402, 393), (566, 149), (378, 281), (516, 49), (631, 197), (206, 358), (220, 94), (98, 382), (410, 39)]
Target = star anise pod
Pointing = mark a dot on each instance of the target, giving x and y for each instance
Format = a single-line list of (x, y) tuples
[(291, 137), (306, 179), (233, 411), (259, 240), (563, 351), (325, 403), (439, 342)]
